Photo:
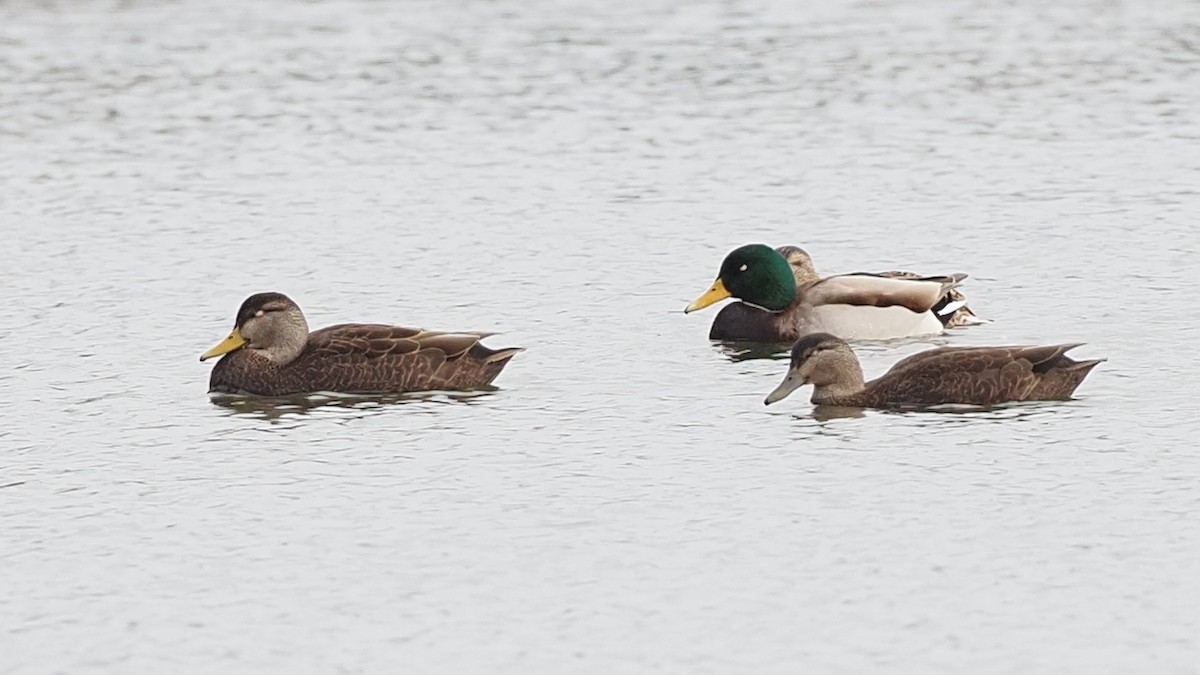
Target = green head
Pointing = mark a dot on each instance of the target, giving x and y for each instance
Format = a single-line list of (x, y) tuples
[(755, 274)]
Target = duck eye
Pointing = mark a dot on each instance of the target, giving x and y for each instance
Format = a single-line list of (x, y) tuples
[(259, 313), (743, 268)]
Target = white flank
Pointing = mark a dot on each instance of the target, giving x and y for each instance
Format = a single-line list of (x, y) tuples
[(873, 323)]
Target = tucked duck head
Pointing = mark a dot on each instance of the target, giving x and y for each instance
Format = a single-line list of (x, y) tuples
[(270, 325), (802, 266), (755, 274), (822, 360)]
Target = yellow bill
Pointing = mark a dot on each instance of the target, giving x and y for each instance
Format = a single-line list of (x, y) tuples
[(234, 342), (715, 294)]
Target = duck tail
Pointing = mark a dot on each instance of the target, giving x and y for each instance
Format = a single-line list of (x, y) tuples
[(952, 309), (501, 356), (494, 362), (1060, 375)]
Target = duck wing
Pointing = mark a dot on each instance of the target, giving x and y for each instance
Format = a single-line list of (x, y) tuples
[(981, 375), (920, 294), (952, 309), (378, 358)]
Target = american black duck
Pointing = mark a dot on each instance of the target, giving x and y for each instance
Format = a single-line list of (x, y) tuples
[(271, 353), (948, 375)]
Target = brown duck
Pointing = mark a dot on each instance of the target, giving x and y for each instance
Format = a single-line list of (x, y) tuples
[(965, 375), (271, 353)]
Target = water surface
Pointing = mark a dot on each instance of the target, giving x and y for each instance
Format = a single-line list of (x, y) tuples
[(571, 174)]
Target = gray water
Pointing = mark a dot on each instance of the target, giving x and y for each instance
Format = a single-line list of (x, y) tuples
[(571, 174)]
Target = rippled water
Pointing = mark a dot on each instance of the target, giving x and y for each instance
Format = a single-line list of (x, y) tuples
[(571, 174)]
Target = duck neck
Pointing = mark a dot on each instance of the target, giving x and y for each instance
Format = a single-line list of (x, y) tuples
[(288, 340), (803, 271), (772, 289), (287, 351), (840, 383), (773, 298)]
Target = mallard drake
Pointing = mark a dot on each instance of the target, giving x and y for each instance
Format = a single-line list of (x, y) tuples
[(271, 353), (965, 375), (783, 298)]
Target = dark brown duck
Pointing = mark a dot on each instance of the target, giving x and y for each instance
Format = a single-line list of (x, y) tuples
[(963, 375), (271, 353)]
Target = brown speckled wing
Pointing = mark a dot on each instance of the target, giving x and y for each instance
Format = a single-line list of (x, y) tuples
[(452, 345), (981, 376), (366, 340), (366, 358), (373, 358)]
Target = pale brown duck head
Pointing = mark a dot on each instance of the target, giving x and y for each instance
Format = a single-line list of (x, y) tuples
[(270, 325), (802, 266), (824, 361)]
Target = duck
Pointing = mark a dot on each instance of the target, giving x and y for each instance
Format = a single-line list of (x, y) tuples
[(782, 298), (946, 375), (952, 310), (271, 352)]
